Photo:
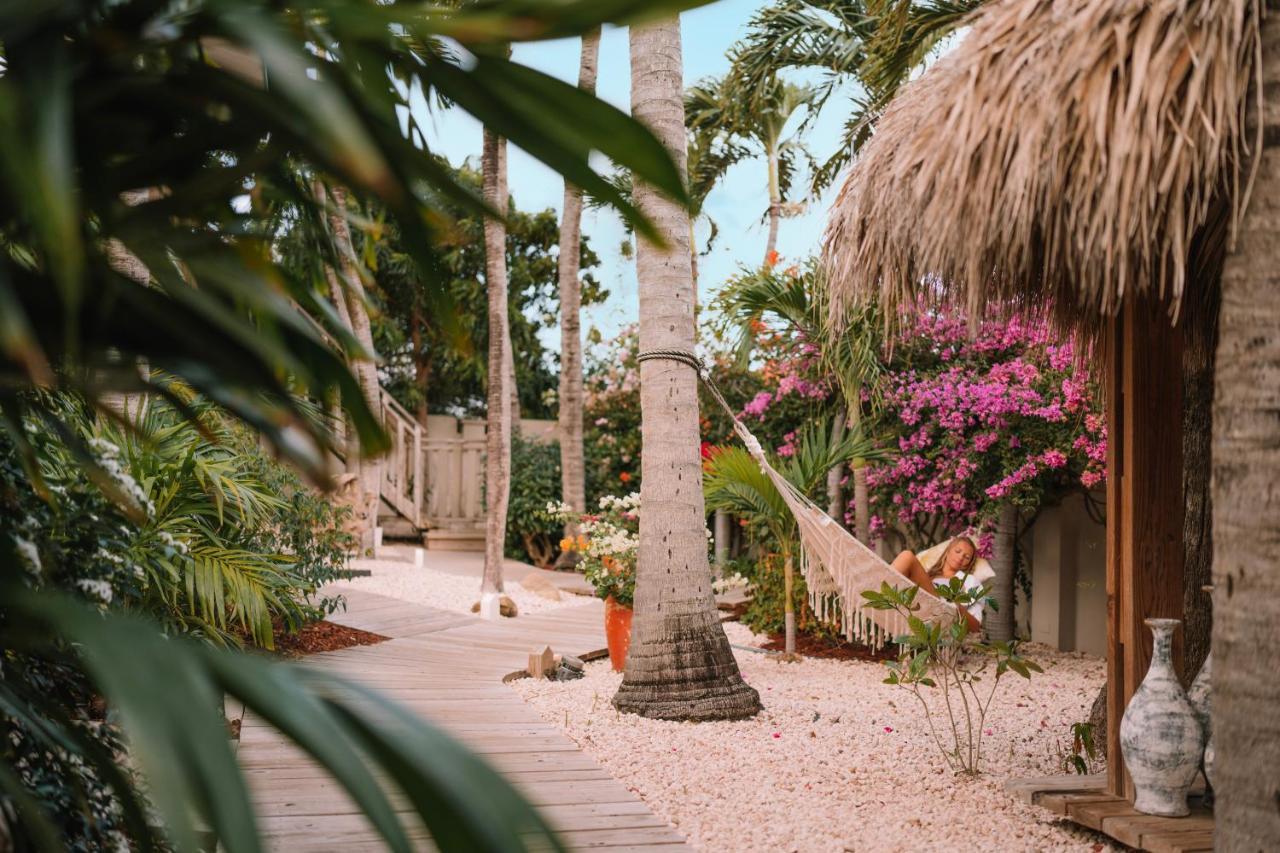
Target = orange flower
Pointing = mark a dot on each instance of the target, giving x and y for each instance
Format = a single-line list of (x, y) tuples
[(566, 544), (624, 477), (772, 258), (582, 543)]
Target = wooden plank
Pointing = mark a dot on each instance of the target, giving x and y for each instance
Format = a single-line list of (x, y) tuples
[(1117, 776), (1092, 814), (1027, 788), (1193, 841), (1131, 829), (1061, 803)]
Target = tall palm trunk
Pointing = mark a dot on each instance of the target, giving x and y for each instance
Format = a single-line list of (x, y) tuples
[(775, 203), (999, 625), (835, 477), (573, 488), (861, 497), (366, 368), (1246, 502), (680, 665), (498, 398)]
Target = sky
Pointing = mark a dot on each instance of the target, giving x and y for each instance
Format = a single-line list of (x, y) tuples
[(737, 205)]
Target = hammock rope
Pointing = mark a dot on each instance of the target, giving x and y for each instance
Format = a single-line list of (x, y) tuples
[(837, 568)]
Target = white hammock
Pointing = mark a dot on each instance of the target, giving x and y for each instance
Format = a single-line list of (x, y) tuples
[(833, 562)]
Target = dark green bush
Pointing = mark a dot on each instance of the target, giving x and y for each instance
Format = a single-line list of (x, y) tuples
[(535, 482)]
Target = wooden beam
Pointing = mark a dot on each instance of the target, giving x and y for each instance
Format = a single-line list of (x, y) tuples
[(1144, 502)]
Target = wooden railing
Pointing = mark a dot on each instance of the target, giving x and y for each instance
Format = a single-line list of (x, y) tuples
[(402, 480)]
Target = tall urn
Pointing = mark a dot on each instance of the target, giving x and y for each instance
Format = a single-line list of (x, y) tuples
[(1160, 737)]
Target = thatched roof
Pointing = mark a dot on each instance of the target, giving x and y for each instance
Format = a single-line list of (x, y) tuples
[(1063, 154)]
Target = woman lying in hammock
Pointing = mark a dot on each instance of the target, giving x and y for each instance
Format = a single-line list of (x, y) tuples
[(958, 559)]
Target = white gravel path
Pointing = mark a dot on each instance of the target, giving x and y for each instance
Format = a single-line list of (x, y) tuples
[(837, 760), (448, 591)]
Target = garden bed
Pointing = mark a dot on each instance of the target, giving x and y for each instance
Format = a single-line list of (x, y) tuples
[(837, 760), (322, 637)]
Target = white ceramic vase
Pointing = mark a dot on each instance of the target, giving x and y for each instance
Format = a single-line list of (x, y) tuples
[(1202, 703), (1160, 736)]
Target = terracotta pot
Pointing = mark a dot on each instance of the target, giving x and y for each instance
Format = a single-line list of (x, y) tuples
[(617, 631)]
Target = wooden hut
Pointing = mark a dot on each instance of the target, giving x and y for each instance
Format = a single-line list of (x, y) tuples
[(1114, 164)]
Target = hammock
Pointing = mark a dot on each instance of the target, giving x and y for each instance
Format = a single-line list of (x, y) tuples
[(836, 567)]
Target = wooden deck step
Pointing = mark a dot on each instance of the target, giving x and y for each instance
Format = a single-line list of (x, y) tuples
[(1086, 801)]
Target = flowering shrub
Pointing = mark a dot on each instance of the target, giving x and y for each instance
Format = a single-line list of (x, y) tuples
[(611, 432), (608, 543), (1007, 414)]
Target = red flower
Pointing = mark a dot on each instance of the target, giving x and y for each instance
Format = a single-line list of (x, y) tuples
[(624, 477)]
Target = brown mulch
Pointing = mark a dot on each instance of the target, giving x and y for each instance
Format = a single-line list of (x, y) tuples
[(820, 647), (321, 637)]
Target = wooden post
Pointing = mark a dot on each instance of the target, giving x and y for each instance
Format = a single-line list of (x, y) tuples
[(1144, 502)]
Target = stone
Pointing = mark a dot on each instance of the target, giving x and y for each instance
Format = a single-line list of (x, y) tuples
[(564, 673), (540, 586), (1160, 738), (506, 607)]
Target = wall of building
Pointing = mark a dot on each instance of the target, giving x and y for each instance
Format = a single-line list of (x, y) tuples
[(1068, 608)]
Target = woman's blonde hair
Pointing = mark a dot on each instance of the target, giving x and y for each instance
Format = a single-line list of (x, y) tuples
[(936, 569)]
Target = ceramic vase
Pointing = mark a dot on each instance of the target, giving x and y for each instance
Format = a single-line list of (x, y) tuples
[(1201, 702), (1160, 736)]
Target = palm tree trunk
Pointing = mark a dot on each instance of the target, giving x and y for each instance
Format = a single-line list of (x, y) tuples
[(573, 473), (775, 205), (498, 416), (680, 665), (1246, 501), (861, 497), (366, 368), (421, 365), (788, 603), (999, 625), (835, 489)]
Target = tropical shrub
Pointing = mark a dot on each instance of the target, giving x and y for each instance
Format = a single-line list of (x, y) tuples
[(608, 544), (535, 481), (945, 661)]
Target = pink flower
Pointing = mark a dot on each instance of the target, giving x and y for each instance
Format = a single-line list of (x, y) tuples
[(888, 729), (1054, 458)]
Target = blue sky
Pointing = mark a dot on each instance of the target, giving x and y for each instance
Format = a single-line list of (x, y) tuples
[(737, 205)]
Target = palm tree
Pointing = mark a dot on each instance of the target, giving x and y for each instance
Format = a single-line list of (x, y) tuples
[(735, 483), (499, 413), (1245, 503), (875, 44), (757, 117), (851, 357), (680, 665), (354, 311), (572, 461)]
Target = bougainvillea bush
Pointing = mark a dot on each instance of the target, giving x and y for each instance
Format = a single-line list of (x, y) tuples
[(1008, 414)]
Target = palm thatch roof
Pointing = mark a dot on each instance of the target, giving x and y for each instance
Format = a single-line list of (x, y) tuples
[(1066, 153)]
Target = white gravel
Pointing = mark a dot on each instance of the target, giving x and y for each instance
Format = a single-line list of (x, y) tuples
[(447, 591), (837, 760)]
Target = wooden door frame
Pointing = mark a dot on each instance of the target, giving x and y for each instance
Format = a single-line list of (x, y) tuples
[(1142, 355)]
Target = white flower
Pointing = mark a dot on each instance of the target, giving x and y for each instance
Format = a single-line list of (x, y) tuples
[(100, 590), (27, 550)]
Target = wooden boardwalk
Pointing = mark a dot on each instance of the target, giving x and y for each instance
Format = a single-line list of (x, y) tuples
[(449, 668)]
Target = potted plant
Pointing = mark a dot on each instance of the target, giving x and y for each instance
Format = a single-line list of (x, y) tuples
[(607, 544)]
